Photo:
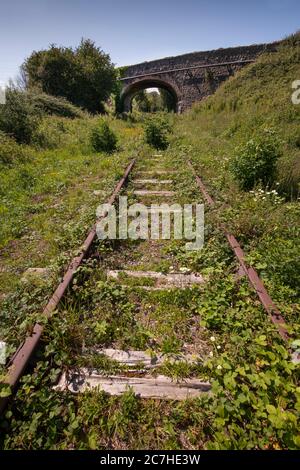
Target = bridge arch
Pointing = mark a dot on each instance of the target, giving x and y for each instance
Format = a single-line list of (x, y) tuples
[(186, 76), (131, 89)]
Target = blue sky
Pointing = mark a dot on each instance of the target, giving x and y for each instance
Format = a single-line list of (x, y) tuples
[(136, 30)]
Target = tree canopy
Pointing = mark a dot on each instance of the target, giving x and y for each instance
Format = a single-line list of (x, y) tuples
[(85, 75)]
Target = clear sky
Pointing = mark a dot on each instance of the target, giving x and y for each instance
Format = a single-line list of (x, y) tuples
[(136, 30)]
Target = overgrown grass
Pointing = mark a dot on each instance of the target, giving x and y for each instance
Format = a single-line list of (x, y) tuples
[(257, 98), (255, 399), (47, 204)]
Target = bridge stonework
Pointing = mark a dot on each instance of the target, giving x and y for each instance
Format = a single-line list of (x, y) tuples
[(189, 77)]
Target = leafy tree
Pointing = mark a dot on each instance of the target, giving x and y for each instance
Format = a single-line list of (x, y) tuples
[(167, 100), (154, 101), (142, 102), (85, 75)]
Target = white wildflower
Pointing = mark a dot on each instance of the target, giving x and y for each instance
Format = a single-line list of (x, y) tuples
[(184, 269)]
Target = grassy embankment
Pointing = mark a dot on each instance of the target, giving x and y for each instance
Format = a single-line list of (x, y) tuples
[(255, 401)]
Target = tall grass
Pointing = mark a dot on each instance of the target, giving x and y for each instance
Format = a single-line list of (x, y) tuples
[(258, 97)]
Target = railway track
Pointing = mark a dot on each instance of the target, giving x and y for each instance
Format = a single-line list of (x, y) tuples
[(146, 274)]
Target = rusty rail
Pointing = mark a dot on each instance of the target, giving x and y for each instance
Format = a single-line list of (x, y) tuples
[(26, 349), (250, 272)]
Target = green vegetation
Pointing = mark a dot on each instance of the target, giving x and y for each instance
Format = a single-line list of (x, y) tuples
[(47, 203), (53, 105), (157, 130), (46, 190), (84, 76), (11, 153), (153, 101), (257, 98), (19, 116), (255, 162), (103, 139)]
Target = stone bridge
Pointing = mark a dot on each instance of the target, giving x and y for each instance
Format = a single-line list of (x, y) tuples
[(189, 77)]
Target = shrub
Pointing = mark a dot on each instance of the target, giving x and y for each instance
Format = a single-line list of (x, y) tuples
[(10, 151), (103, 139), (85, 76), (53, 105), (50, 134), (157, 132), (19, 117), (255, 161)]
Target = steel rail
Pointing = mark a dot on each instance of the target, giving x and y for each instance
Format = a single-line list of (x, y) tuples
[(21, 357), (192, 67), (250, 272)]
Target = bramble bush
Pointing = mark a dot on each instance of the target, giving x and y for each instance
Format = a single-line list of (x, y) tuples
[(157, 130), (103, 139), (255, 161)]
